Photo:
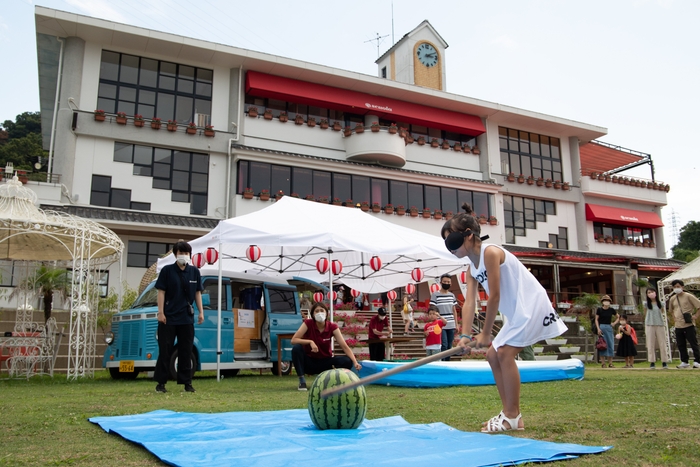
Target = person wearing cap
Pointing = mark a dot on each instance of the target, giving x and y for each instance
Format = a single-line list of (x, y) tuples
[(378, 329), (684, 307), (604, 324)]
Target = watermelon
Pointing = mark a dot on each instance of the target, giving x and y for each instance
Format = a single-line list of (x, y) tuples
[(342, 411)]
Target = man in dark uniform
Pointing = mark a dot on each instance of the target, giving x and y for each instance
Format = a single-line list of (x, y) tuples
[(178, 285), (378, 328)]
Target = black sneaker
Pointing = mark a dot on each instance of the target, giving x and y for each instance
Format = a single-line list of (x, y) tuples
[(302, 386), (189, 388), (664, 366), (652, 365), (161, 388)]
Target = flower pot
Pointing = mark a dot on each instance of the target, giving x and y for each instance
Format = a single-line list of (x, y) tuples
[(600, 239), (548, 184), (476, 150), (121, 120), (191, 131), (437, 215), (99, 117), (359, 130), (337, 126), (569, 349), (267, 115), (445, 145), (557, 185), (298, 120), (521, 179), (253, 112), (388, 210), (155, 125), (546, 357), (409, 139), (209, 133), (247, 195), (530, 181), (311, 122), (434, 144), (555, 341), (323, 125), (540, 182), (449, 215), (413, 213), (466, 149), (139, 123), (393, 130), (420, 141), (483, 221), (374, 128), (510, 178), (283, 118), (264, 196), (376, 209), (565, 187), (172, 126), (457, 147), (537, 350), (426, 214), (493, 222), (364, 208)]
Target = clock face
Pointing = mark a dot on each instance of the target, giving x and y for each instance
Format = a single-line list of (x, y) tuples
[(427, 54)]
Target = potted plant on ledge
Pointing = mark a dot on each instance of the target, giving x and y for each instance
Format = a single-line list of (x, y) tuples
[(364, 206), (376, 207), (374, 127), (323, 123), (172, 125), (400, 210), (191, 128), (155, 123), (510, 177), (209, 130), (99, 115), (336, 202), (253, 112), (121, 118), (279, 195), (413, 211), (483, 219), (493, 220), (393, 128), (267, 115), (437, 214), (264, 194), (359, 128), (248, 193), (138, 120), (521, 178), (283, 117), (530, 180), (389, 208)]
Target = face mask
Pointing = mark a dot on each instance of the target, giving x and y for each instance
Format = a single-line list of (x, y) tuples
[(622, 323), (320, 317), (445, 286), (183, 259), (677, 290), (651, 295)]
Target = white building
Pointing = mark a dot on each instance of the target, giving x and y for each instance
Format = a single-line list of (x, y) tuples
[(153, 187)]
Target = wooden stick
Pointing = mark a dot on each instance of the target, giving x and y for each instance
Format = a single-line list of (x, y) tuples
[(399, 369)]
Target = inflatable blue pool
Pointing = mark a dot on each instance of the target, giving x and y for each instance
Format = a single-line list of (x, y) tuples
[(471, 373)]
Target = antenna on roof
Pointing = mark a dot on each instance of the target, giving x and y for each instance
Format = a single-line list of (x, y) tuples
[(379, 41), (392, 22)]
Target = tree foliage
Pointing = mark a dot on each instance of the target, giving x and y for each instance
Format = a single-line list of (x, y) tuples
[(21, 141), (688, 246)]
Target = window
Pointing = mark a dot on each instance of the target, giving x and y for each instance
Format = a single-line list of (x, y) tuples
[(530, 154), (359, 188), (144, 254), (7, 274), (102, 194), (210, 294), (559, 241), (185, 173), (281, 301), (622, 232), (523, 213), (153, 88), (384, 72)]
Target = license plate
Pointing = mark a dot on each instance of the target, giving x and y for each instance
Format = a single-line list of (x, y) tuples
[(126, 366)]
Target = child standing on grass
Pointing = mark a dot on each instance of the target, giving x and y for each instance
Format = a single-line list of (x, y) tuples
[(433, 331), (627, 347)]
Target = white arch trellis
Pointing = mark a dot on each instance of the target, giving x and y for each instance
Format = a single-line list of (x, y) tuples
[(31, 234)]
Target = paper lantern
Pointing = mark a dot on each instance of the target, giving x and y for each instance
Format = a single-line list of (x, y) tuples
[(198, 260), (417, 275), (318, 297), (337, 267), (391, 295), (322, 265), (211, 255), (333, 296), (355, 293), (253, 253), (410, 289), (463, 277), (375, 263), (434, 288)]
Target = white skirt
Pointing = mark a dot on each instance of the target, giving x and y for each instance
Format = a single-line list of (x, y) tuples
[(521, 331)]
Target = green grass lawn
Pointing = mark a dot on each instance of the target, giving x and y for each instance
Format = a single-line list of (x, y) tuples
[(651, 418)]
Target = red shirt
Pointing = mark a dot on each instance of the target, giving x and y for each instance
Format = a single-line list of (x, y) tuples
[(376, 324), (432, 338), (322, 339)]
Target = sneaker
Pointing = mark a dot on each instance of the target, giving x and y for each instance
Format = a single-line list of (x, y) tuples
[(302, 386), (652, 365), (161, 388), (664, 366), (696, 365), (683, 365), (189, 388)]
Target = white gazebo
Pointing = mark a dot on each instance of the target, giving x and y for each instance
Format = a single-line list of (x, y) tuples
[(33, 235)]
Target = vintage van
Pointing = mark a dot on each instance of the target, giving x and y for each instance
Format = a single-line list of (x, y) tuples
[(248, 332)]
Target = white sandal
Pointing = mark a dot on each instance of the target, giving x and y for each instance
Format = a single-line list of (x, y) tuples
[(495, 425)]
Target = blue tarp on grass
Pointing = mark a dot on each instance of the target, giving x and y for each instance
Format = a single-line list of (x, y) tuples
[(288, 438)]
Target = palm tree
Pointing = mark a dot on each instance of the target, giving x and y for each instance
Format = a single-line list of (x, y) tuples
[(45, 282)]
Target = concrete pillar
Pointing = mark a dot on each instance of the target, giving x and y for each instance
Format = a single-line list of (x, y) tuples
[(234, 95), (580, 206), (659, 239)]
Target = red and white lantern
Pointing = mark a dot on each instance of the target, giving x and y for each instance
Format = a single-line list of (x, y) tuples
[(211, 256), (253, 253), (463, 277), (322, 265), (375, 263), (391, 295), (318, 297), (417, 275), (434, 288), (333, 296), (355, 293), (198, 260), (410, 289), (337, 267)]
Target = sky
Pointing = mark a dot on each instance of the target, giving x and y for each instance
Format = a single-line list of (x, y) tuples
[(631, 66)]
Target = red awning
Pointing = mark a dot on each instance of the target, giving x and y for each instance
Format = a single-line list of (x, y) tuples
[(650, 267), (303, 92), (599, 158), (620, 216)]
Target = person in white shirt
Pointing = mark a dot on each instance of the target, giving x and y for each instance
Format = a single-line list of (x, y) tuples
[(513, 291)]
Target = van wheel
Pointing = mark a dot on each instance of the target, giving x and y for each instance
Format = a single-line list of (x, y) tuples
[(286, 368), (230, 373), (173, 365)]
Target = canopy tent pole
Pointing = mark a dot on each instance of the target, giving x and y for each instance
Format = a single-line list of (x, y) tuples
[(218, 321)]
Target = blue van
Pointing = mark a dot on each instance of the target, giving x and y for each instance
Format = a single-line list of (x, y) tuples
[(248, 333)]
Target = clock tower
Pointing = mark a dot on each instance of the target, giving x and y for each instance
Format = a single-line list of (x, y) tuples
[(417, 58)]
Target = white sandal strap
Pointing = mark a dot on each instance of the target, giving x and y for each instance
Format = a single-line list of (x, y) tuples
[(496, 425)]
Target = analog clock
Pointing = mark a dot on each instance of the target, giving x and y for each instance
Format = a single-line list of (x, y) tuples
[(427, 54)]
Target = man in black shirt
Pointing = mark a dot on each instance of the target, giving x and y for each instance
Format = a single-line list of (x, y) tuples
[(178, 285)]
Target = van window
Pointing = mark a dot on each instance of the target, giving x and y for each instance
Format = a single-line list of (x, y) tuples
[(281, 301), (148, 298), (211, 292)]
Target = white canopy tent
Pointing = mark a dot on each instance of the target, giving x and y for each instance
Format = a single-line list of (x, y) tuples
[(293, 234), (690, 275)]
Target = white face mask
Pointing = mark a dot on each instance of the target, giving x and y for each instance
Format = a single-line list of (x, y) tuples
[(320, 317), (677, 290), (183, 259)]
